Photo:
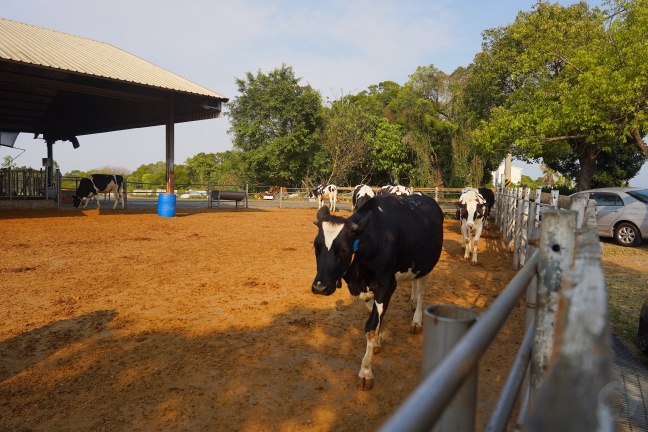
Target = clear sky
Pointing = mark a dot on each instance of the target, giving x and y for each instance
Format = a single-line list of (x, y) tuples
[(338, 47)]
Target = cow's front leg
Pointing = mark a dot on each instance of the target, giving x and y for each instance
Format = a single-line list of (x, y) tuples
[(475, 243), (468, 246), (365, 377), (373, 330)]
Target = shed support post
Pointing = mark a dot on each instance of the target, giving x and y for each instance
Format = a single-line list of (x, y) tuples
[(170, 172)]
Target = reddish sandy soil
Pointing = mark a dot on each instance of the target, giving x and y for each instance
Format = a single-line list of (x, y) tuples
[(127, 321)]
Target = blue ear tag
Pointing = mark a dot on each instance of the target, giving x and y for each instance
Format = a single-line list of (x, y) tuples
[(355, 245)]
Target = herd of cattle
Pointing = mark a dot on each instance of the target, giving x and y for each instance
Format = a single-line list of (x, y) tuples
[(393, 236)]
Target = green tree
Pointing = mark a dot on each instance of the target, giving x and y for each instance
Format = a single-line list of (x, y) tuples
[(566, 84), (274, 123), (8, 162), (152, 175), (346, 137), (390, 154), (216, 168)]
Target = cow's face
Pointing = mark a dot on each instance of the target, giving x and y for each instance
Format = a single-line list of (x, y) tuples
[(333, 250), (76, 201), (315, 192), (470, 209)]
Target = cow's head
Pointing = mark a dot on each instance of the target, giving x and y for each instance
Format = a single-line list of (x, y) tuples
[(76, 201), (316, 192), (334, 248), (470, 208)]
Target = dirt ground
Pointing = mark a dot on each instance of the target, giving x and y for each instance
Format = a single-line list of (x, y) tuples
[(126, 321)]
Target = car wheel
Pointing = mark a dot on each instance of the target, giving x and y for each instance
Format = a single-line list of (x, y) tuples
[(626, 234)]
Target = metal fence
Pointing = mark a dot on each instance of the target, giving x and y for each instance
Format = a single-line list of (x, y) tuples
[(561, 372), (26, 184)]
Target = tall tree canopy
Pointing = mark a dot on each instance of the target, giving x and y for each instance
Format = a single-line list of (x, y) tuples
[(566, 84), (274, 121)]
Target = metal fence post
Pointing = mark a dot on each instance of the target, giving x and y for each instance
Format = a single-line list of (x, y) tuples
[(444, 326)]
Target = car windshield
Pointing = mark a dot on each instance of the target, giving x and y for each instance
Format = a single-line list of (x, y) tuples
[(641, 195)]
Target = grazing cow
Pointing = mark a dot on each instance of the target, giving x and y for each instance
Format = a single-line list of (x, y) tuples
[(99, 183), (282, 192), (361, 194), (322, 192), (395, 190), (471, 208), (390, 239), (489, 196)]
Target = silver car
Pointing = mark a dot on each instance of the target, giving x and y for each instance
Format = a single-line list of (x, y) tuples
[(621, 212)]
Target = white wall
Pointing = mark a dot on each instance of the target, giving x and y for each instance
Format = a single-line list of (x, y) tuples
[(516, 175)]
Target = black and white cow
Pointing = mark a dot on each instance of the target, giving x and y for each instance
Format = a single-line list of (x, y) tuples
[(361, 194), (390, 239), (322, 192), (99, 183), (471, 208), (489, 196), (395, 190)]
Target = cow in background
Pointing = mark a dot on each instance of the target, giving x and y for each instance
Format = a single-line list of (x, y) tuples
[(395, 190), (390, 239), (99, 183), (361, 194), (322, 192), (281, 192), (471, 208), (489, 196)]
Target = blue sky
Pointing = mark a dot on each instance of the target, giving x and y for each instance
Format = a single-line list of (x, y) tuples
[(338, 47)]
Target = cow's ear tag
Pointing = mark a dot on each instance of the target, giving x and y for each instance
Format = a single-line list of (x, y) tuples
[(356, 243)]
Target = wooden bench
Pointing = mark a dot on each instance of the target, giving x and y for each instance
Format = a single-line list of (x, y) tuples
[(227, 195)]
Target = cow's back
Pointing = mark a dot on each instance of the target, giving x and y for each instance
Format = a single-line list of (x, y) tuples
[(400, 233)]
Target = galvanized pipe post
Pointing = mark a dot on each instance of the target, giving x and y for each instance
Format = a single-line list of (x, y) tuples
[(444, 326)]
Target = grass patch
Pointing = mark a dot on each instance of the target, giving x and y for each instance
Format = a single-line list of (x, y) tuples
[(626, 277)]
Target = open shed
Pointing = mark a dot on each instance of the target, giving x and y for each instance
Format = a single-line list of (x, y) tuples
[(59, 87)]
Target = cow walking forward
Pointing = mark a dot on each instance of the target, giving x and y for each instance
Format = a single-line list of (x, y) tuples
[(322, 193), (361, 194), (390, 239), (99, 183), (471, 209), (489, 196)]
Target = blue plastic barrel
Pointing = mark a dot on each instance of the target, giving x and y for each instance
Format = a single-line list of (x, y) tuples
[(166, 205)]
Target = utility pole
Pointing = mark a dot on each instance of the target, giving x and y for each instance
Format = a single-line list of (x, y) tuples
[(507, 169)]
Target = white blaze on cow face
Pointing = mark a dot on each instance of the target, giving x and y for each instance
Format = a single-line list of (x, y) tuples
[(331, 231)]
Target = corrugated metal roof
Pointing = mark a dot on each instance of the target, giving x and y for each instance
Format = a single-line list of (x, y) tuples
[(40, 46)]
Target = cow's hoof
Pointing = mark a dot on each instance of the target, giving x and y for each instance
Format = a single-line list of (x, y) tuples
[(365, 384), (416, 329)]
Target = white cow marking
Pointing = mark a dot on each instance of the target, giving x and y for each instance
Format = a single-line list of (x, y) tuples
[(331, 231), (405, 276)]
